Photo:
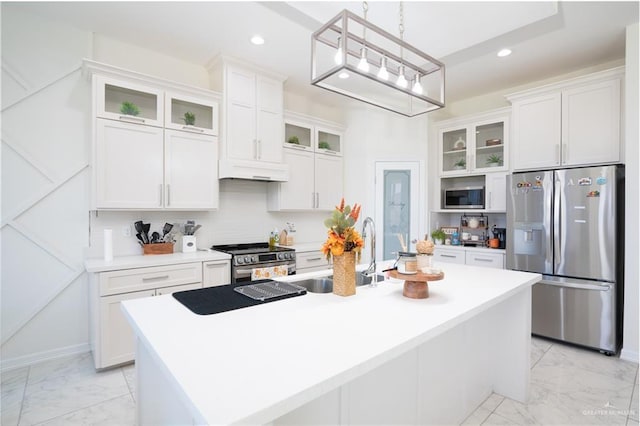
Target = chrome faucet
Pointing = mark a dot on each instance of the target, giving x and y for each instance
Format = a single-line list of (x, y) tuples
[(371, 270)]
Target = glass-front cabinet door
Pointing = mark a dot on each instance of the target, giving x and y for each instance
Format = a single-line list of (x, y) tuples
[(129, 102), (191, 114), (474, 146), (298, 135), (489, 146), (328, 141), (454, 145)]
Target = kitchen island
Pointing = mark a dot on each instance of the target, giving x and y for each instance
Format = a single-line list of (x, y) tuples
[(376, 357)]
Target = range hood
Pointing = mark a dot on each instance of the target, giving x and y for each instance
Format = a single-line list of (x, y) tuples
[(253, 170)]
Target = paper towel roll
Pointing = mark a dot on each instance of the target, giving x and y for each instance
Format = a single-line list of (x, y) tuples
[(108, 245)]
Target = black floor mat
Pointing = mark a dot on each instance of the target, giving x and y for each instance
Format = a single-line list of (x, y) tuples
[(213, 300)]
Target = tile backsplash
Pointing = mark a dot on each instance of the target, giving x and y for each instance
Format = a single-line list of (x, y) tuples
[(241, 218)]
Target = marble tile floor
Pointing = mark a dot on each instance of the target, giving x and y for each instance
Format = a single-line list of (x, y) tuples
[(569, 386)]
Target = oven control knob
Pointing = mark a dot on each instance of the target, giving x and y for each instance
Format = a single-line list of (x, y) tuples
[(254, 259), (239, 261), (280, 256), (287, 255), (247, 259)]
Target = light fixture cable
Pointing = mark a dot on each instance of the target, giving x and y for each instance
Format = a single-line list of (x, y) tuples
[(363, 65), (402, 81)]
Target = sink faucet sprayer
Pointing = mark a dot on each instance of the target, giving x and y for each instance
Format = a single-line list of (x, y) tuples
[(371, 270)]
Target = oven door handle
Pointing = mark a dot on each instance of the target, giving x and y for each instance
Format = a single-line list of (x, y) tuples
[(249, 271)]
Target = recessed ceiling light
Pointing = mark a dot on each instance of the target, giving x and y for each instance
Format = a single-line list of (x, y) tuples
[(343, 75), (504, 52), (257, 40)]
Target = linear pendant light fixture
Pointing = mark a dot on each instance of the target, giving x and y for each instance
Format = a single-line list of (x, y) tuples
[(384, 70)]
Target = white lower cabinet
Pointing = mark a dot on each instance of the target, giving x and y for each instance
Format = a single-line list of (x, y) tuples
[(216, 273), (449, 256), (311, 261), (490, 260), (112, 339), (469, 256)]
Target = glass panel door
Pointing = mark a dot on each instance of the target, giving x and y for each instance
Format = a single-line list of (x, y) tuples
[(454, 150), (489, 145), (397, 207)]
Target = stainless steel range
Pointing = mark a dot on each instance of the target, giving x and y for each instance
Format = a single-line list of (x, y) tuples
[(246, 258)]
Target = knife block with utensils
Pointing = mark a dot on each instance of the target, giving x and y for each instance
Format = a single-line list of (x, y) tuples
[(157, 248)]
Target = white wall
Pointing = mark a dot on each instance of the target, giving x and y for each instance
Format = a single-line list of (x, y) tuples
[(378, 135), (45, 103), (630, 349)]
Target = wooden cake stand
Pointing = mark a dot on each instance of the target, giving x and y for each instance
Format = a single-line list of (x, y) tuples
[(416, 286)]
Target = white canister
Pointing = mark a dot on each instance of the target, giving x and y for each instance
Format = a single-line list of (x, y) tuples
[(188, 243), (466, 236)]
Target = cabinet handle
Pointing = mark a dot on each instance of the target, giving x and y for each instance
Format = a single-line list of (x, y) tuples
[(168, 195), (448, 255), (131, 118), (294, 146), (161, 277), (565, 152), (258, 150), (317, 200), (213, 265), (193, 129), (558, 159), (314, 259), (479, 259), (261, 177), (160, 190)]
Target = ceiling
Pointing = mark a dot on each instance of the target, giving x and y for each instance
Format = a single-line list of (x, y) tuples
[(547, 38)]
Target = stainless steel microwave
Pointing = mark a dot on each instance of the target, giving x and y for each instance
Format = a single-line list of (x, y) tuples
[(463, 198)]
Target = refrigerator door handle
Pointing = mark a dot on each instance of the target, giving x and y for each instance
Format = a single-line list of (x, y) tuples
[(597, 287)]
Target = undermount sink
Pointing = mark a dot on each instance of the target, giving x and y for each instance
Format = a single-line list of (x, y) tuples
[(325, 284)]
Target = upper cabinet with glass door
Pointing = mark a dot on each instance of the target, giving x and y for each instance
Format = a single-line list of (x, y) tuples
[(328, 141), (191, 114), (129, 102), (474, 144), (298, 134)]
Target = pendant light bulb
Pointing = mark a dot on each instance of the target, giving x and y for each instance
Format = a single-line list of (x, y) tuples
[(417, 87), (363, 65), (402, 81), (383, 74), (338, 57)]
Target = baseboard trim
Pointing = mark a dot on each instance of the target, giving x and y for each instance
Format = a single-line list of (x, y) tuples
[(629, 355), (35, 358)]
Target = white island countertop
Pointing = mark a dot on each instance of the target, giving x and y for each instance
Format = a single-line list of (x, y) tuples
[(258, 363)]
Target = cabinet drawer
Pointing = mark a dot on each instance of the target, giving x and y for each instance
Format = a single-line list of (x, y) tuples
[(311, 259), (449, 256), (216, 273), (129, 280), (490, 260)]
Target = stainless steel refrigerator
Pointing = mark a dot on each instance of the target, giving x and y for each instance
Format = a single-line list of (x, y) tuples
[(568, 225)]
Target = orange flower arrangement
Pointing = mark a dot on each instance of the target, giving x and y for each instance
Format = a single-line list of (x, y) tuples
[(341, 235)]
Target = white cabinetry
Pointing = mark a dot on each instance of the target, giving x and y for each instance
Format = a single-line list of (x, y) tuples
[(216, 272), (129, 166), (496, 192), (190, 175), (252, 111), (309, 261), (489, 260), (575, 122), (469, 256), (112, 340), (469, 144), (146, 155), (313, 152), (448, 256)]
